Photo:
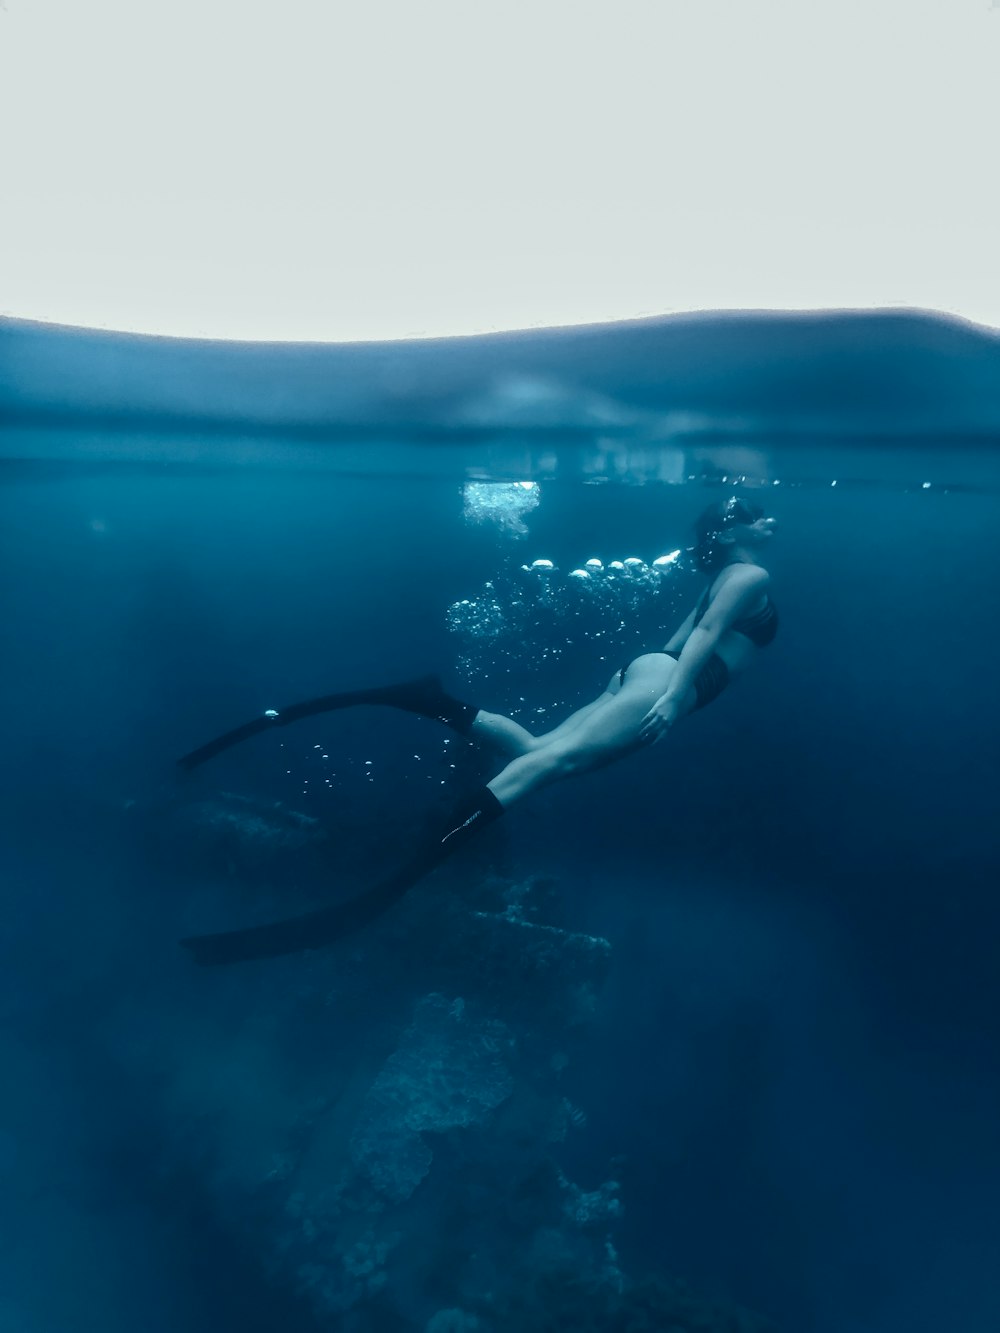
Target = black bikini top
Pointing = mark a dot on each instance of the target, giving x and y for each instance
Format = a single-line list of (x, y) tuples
[(759, 628)]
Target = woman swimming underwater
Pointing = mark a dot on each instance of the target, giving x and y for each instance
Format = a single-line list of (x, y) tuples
[(720, 638)]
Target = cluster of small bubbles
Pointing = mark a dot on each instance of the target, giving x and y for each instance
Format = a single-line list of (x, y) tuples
[(484, 617), (308, 775), (501, 502), (534, 619)]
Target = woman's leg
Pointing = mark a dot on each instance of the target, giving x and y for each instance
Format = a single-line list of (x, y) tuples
[(509, 737), (502, 733), (609, 731), (574, 721)]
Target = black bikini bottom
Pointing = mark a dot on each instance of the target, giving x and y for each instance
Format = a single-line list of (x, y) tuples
[(711, 680)]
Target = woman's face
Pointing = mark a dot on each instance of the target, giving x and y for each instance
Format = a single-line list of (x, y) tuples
[(756, 532), (764, 528)]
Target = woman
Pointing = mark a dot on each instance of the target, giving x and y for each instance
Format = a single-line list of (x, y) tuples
[(717, 642)]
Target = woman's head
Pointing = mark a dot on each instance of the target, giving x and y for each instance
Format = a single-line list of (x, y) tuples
[(728, 524)]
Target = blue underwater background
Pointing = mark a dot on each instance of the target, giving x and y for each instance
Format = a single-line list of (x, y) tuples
[(706, 1041)]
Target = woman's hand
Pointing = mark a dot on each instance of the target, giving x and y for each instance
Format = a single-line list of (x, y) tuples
[(658, 721)]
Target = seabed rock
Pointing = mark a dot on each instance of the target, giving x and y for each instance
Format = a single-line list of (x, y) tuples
[(413, 1187)]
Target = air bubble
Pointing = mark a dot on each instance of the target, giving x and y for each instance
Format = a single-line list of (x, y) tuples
[(503, 502)]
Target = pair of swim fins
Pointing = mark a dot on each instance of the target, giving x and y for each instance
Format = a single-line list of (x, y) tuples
[(312, 930)]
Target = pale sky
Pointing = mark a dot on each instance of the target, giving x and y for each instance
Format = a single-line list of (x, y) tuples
[(341, 169)]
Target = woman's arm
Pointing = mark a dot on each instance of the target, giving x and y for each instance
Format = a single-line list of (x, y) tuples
[(740, 591)]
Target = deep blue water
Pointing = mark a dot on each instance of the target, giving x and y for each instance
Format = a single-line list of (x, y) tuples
[(792, 1064)]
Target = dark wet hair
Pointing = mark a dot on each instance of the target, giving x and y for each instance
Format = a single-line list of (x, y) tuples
[(708, 553)]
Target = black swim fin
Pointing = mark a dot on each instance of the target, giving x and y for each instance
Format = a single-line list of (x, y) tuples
[(425, 697), (315, 929)]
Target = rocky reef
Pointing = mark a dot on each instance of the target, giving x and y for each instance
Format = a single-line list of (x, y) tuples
[(385, 1129)]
